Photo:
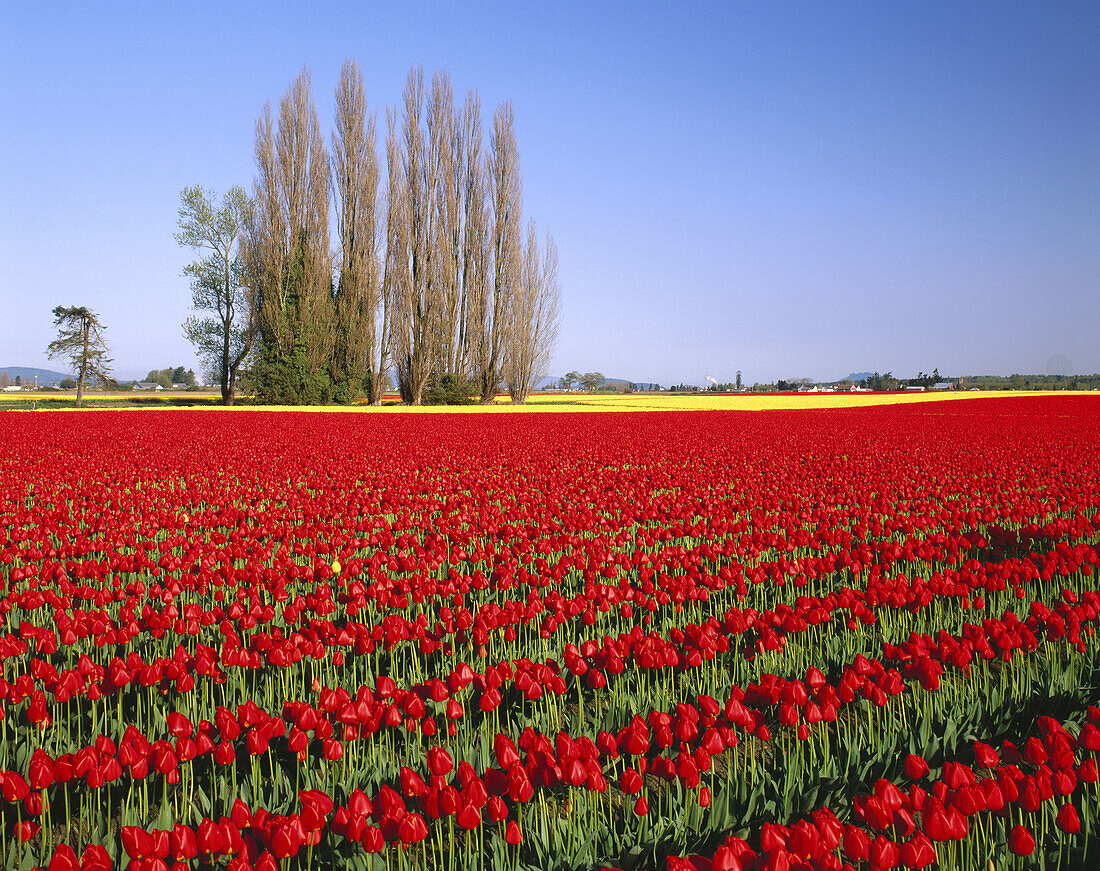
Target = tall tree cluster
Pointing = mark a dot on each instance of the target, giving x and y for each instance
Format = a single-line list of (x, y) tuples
[(432, 275)]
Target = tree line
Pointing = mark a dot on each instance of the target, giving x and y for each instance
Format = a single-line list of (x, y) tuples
[(431, 275), (589, 381), (173, 375)]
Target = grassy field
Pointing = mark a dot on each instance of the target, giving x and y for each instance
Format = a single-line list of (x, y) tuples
[(538, 402)]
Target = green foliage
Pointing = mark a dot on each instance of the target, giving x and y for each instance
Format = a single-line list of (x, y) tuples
[(286, 379), (449, 390), (344, 391), (169, 376), (1030, 382), (68, 384), (591, 381), (223, 340), (878, 381)]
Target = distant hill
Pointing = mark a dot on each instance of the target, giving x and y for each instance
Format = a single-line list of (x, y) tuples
[(857, 376), (552, 381), (28, 374)]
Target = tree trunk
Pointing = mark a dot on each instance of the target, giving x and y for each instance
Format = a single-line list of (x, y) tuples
[(227, 320), (374, 388), (227, 390), (83, 365)]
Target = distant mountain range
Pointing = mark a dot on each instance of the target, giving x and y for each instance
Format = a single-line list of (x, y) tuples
[(27, 374), (48, 376), (857, 376)]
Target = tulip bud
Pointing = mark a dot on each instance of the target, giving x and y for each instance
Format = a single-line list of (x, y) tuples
[(1021, 841), (1068, 820), (915, 767)]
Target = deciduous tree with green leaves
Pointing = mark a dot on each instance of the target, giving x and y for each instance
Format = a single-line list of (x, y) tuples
[(224, 339), (591, 381), (81, 344)]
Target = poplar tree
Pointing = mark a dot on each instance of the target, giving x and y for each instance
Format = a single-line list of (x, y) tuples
[(361, 342), (287, 251)]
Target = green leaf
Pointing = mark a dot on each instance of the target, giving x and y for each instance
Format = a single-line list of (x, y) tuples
[(950, 735)]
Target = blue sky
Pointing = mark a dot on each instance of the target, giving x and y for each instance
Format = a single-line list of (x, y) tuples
[(803, 189)]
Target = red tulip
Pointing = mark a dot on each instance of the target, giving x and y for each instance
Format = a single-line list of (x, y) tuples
[(857, 845), (179, 725), (182, 843), (241, 815), (14, 787), (1034, 752), (918, 852), (773, 837), (439, 761), (1021, 842), (1068, 820), (725, 860), (27, 830), (490, 699), (498, 810), (986, 755), (64, 859), (884, 854), (95, 858), (469, 817), (630, 781), (916, 767), (40, 774)]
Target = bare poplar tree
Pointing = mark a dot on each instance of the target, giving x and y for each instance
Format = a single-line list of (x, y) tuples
[(475, 247), (505, 203), (395, 273), (446, 126), (81, 344), (361, 338), (225, 340), (288, 249), (416, 301), (460, 242), (533, 317)]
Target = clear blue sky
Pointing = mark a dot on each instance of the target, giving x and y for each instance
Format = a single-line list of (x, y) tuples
[(786, 189)]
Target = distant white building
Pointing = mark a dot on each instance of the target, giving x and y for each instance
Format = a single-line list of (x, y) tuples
[(147, 385), (942, 385)]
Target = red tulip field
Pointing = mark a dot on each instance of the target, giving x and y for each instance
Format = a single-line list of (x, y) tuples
[(844, 639)]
